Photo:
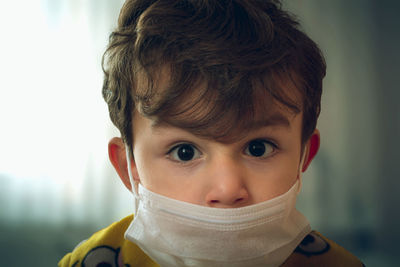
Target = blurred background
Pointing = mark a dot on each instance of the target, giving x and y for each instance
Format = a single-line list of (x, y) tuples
[(57, 186)]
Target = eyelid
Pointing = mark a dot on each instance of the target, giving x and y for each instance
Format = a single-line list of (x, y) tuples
[(266, 140), (178, 144)]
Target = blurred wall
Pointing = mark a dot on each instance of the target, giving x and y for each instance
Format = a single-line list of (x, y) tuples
[(353, 195), (386, 31)]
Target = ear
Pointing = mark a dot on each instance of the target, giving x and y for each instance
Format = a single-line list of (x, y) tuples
[(312, 147), (117, 155)]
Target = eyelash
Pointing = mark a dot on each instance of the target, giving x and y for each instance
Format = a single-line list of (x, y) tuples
[(268, 141)]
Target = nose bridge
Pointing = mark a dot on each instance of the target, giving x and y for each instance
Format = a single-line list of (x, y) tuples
[(228, 182)]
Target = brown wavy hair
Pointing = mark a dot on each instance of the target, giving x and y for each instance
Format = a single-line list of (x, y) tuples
[(202, 65)]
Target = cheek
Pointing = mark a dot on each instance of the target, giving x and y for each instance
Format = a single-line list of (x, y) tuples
[(273, 181), (144, 168), (161, 177)]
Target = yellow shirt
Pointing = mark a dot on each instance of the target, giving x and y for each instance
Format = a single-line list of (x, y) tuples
[(108, 246)]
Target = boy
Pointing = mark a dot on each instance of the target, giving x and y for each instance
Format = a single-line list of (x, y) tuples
[(217, 103)]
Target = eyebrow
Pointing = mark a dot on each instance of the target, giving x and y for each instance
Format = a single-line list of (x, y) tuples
[(274, 119)]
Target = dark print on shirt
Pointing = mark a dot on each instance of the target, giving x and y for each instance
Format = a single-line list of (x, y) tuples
[(312, 244), (103, 256)]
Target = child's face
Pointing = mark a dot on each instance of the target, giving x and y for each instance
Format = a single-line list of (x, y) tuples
[(175, 163)]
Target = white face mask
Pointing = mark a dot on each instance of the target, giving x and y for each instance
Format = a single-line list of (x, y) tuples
[(177, 233)]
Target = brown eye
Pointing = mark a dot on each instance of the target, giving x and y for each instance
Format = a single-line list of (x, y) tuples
[(259, 148), (184, 152)]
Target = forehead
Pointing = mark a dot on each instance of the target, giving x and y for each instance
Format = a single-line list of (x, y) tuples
[(227, 129), (212, 109), (273, 119)]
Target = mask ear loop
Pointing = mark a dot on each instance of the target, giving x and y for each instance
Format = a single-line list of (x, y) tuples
[(133, 185), (299, 177)]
